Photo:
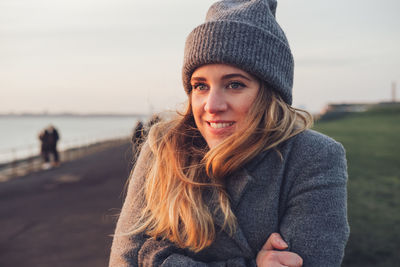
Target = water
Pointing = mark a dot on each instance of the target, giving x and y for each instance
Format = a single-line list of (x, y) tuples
[(19, 134)]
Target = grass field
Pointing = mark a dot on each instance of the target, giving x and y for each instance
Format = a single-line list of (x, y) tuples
[(372, 143)]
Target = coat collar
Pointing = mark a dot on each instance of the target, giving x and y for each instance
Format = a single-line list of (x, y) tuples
[(235, 187)]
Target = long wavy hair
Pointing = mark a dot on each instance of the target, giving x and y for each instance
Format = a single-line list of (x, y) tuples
[(181, 167)]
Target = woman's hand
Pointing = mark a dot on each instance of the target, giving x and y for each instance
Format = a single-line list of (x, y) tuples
[(269, 257)]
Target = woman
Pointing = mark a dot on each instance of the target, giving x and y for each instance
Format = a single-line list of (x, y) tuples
[(237, 180)]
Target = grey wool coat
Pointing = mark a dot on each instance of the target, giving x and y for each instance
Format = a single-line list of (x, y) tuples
[(302, 197)]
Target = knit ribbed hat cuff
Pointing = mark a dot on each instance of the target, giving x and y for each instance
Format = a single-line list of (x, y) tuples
[(250, 48)]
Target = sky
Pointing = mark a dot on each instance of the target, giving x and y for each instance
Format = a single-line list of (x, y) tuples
[(125, 56)]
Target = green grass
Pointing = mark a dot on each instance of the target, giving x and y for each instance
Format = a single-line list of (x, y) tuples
[(372, 143)]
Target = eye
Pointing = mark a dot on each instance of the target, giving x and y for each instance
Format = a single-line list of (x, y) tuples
[(199, 86), (236, 85)]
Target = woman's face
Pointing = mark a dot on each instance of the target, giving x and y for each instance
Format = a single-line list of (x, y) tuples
[(221, 98)]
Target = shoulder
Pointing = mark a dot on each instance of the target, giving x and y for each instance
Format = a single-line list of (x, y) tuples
[(315, 159), (311, 145), (312, 148), (305, 146), (307, 153), (310, 141)]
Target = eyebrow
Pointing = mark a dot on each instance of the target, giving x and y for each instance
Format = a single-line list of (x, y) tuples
[(225, 77), (200, 79), (234, 75)]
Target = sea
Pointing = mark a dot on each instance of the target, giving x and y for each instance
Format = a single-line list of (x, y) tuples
[(19, 133)]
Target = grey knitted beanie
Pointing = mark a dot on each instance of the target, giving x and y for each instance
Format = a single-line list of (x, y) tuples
[(245, 34)]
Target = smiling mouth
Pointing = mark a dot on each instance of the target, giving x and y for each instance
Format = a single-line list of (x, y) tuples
[(219, 125)]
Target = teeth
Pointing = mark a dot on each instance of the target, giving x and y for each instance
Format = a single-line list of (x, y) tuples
[(220, 125)]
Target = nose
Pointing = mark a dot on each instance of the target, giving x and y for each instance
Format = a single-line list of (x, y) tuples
[(216, 101)]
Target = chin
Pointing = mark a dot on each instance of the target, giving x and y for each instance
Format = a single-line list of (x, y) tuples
[(215, 142)]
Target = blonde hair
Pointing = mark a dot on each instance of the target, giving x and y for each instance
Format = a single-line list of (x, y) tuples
[(181, 166)]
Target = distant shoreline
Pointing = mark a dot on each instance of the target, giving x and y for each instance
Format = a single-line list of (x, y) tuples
[(91, 115)]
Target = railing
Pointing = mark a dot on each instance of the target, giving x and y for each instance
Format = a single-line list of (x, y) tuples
[(21, 161)]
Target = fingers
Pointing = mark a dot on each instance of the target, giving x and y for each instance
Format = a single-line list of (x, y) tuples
[(275, 241), (273, 258), (289, 259)]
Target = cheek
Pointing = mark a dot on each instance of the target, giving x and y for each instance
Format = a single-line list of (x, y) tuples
[(244, 105), (196, 106), (196, 111)]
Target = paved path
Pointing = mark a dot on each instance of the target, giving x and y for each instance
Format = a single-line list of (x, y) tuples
[(63, 216)]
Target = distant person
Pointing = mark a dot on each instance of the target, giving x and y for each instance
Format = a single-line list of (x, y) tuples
[(238, 178), (49, 138), (44, 147), (53, 140), (137, 138), (153, 120), (138, 133)]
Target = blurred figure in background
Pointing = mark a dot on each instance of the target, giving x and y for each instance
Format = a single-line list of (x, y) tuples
[(44, 148), (153, 120), (137, 138), (49, 138), (53, 139), (140, 133)]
